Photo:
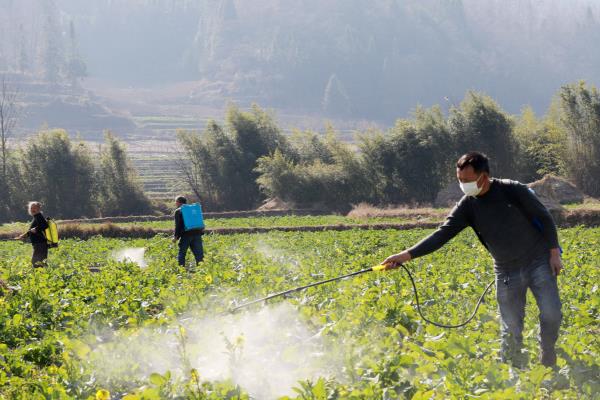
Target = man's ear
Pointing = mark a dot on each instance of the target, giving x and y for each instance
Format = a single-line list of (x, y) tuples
[(486, 179)]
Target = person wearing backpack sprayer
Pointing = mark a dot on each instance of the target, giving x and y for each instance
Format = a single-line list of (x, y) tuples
[(188, 234), (519, 232), (36, 234)]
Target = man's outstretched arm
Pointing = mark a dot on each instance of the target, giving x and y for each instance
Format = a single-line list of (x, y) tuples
[(455, 222)]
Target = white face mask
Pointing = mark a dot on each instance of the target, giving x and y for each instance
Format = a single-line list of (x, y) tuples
[(470, 188)]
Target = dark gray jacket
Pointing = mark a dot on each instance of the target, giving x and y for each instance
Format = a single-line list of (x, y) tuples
[(40, 224), (504, 219)]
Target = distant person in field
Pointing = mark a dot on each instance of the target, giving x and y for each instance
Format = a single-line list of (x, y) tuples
[(187, 239), (520, 234), (36, 234)]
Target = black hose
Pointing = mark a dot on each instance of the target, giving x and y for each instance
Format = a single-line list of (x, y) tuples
[(412, 281)]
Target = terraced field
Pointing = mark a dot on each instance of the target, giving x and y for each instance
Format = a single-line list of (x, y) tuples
[(168, 125), (159, 174)]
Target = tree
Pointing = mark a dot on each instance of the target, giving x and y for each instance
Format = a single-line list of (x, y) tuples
[(9, 115), (540, 144), (335, 98), (52, 52), (256, 134), (411, 162), (580, 107), (219, 165), (279, 178), (12, 192), (479, 124), (310, 147), (333, 177), (119, 189), (76, 67), (210, 164), (60, 174)]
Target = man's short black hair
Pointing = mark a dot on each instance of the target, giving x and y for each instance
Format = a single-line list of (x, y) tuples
[(475, 159), (181, 199)]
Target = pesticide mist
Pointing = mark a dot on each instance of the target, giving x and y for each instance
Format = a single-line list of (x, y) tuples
[(265, 352), (131, 254)]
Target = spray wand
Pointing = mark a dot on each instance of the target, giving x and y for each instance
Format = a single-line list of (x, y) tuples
[(286, 292), (377, 268)]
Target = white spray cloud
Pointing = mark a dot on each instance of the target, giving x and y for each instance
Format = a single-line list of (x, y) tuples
[(283, 258), (265, 352), (132, 254)]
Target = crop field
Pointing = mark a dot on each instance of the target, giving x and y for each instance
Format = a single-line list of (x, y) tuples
[(117, 318)]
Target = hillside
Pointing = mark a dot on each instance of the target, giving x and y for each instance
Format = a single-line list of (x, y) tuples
[(347, 59)]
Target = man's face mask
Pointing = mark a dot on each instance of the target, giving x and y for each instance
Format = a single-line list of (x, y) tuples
[(470, 188)]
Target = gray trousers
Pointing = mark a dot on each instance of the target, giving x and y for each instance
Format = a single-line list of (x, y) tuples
[(511, 290)]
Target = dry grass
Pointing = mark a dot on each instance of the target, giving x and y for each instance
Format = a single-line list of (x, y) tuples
[(108, 230), (364, 210), (587, 217), (120, 219), (86, 231)]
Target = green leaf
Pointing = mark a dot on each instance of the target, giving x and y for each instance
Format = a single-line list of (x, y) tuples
[(157, 379), (420, 395), (150, 394), (81, 349), (319, 390)]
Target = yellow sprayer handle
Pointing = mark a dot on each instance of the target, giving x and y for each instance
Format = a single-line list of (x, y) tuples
[(378, 268)]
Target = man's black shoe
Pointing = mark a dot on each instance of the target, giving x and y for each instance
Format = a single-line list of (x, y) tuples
[(548, 358)]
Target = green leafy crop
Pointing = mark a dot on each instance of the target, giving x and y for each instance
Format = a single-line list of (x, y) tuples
[(54, 320)]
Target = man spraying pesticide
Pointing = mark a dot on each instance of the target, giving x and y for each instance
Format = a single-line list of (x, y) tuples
[(42, 233), (189, 228), (520, 234)]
